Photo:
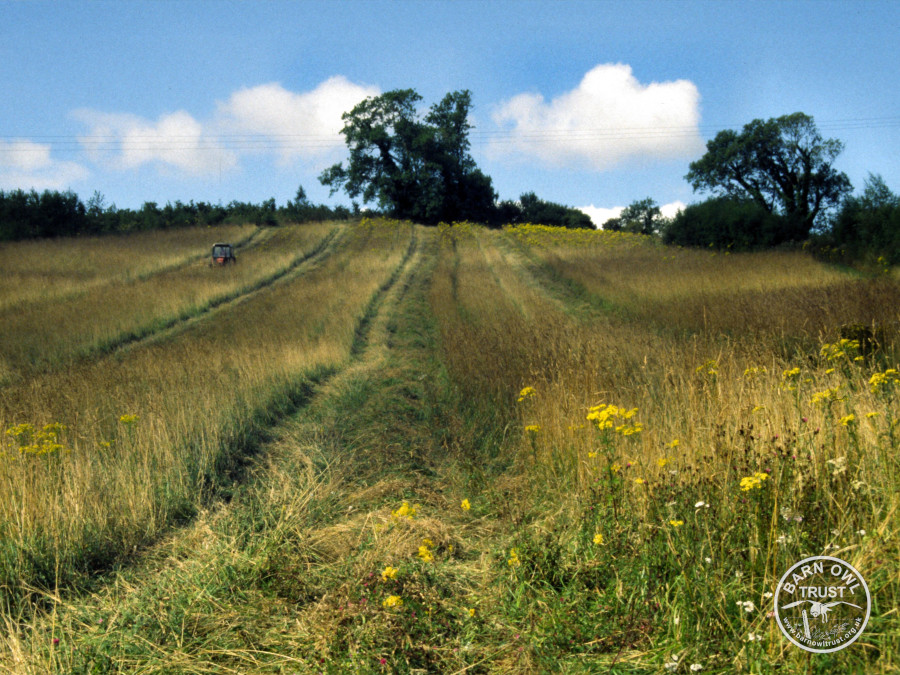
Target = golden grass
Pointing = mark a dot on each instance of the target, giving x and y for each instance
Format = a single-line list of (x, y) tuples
[(118, 484), (775, 293), (39, 270), (704, 411), (288, 575), (44, 333)]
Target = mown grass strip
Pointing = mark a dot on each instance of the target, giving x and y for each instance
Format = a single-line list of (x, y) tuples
[(314, 256), (163, 470)]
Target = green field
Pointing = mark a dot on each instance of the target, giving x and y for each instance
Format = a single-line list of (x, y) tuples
[(379, 447)]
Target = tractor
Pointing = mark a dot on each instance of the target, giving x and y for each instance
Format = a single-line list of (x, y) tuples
[(222, 254)]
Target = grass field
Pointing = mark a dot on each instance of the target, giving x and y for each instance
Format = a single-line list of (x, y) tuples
[(384, 448)]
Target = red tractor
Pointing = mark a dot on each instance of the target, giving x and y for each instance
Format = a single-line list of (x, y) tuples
[(222, 254)]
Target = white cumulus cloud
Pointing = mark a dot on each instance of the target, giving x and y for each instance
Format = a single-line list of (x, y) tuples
[(609, 117), (266, 118), (302, 125), (600, 215), (28, 165), (671, 210), (175, 140)]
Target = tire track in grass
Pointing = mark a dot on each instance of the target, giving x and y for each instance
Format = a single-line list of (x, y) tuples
[(153, 327), (570, 296), (154, 627), (171, 325), (304, 391)]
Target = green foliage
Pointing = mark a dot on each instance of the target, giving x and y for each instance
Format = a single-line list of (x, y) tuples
[(868, 225), (641, 217), (726, 222), (29, 215), (532, 209), (783, 164), (418, 169)]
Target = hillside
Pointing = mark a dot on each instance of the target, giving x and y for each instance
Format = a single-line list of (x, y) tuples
[(384, 448)]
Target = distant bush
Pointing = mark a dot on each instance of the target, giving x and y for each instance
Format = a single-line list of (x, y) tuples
[(866, 226), (29, 215), (532, 209), (727, 222)]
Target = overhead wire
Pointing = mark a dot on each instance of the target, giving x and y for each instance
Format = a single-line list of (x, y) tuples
[(99, 143)]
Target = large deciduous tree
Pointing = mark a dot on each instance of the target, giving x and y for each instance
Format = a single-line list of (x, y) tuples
[(641, 217), (411, 167), (783, 164)]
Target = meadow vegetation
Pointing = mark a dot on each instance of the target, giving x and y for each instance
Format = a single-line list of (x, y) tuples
[(460, 450), (145, 435)]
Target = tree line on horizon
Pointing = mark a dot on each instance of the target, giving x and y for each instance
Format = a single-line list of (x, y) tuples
[(771, 184)]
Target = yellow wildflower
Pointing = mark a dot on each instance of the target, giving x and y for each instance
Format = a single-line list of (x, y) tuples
[(676, 523), (465, 505), (753, 371), (847, 420), (825, 396), (708, 368), (881, 381), (662, 461), (425, 550), (389, 573), (128, 419), (527, 392), (513, 560), (405, 511), (754, 481), (533, 428), (598, 539), (392, 601), (639, 481)]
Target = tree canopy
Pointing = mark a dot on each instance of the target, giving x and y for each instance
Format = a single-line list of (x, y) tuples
[(413, 167), (783, 164), (868, 224), (641, 217)]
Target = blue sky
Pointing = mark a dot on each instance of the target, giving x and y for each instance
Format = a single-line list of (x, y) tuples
[(591, 104)]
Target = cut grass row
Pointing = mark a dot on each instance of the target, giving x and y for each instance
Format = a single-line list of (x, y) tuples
[(153, 431), (55, 268), (45, 334), (696, 411), (315, 565)]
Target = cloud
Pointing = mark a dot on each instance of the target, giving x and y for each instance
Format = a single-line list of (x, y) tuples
[(600, 215), (303, 126), (608, 118), (28, 165), (671, 210), (175, 140), (261, 119)]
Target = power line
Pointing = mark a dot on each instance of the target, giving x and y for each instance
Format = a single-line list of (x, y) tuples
[(99, 143)]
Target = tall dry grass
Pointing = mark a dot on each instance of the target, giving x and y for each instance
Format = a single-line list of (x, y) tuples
[(200, 399), (697, 411), (47, 268), (45, 333), (765, 295)]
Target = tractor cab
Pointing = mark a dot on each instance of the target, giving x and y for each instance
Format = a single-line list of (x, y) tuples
[(222, 254)]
